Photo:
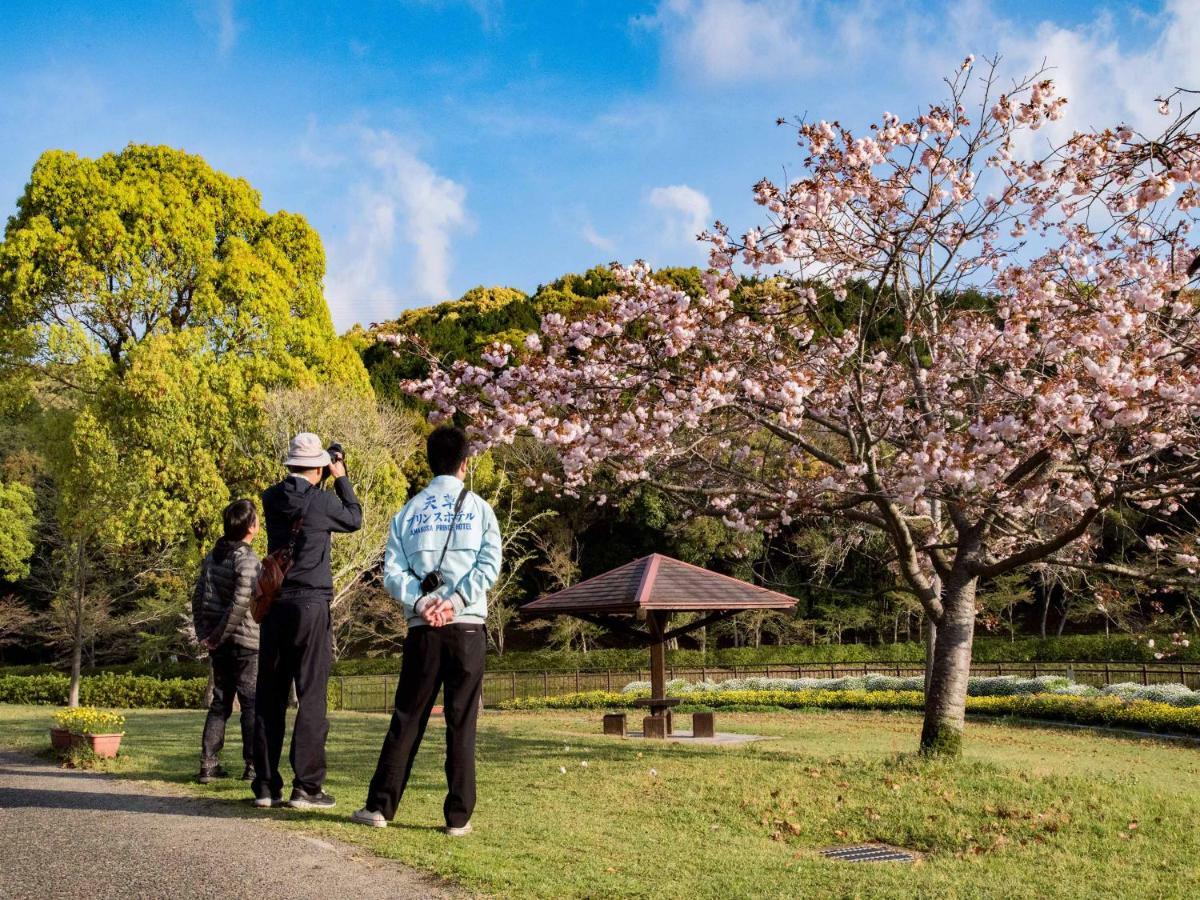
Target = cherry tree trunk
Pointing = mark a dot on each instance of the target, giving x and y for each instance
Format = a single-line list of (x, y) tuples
[(946, 691)]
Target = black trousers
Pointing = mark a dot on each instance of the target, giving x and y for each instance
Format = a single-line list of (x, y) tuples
[(235, 670), (451, 657), (295, 646)]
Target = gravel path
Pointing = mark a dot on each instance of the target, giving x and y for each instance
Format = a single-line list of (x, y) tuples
[(73, 834)]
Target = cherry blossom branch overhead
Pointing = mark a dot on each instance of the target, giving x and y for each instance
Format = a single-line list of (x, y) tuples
[(971, 347)]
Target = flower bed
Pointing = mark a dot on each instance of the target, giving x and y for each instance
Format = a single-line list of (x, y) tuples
[(979, 686), (1111, 710)]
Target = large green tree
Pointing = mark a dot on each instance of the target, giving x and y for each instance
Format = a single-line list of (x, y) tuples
[(148, 305), (159, 294)]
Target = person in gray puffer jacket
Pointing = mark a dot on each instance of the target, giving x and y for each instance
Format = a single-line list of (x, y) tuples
[(224, 626)]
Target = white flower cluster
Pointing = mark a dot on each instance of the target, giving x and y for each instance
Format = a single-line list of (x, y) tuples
[(978, 686)]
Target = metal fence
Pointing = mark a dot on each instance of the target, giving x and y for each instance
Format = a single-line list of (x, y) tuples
[(375, 693)]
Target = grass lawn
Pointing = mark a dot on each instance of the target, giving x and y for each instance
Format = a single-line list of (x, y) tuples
[(1030, 812)]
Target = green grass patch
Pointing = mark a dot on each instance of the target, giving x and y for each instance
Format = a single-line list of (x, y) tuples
[(1028, 812)]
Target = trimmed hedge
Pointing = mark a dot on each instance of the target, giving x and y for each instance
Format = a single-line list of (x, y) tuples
[(1145, 715), (1075, 648), (107, 689)]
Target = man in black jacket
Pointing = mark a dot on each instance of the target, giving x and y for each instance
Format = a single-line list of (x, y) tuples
[(220, 614), (297, 642)]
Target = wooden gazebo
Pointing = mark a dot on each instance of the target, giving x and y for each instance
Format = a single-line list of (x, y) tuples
[(648, 591)]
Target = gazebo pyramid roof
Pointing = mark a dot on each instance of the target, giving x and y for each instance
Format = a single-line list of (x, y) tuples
[(657, 582)]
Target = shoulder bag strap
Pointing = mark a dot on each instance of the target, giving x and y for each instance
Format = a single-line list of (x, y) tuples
[(299, 521), (462, 495)]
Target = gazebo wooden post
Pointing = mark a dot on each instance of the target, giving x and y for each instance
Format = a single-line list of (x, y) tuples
[(656, 625), (658, 656)]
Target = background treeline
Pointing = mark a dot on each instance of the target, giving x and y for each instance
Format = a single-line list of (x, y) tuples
[(161, 337)]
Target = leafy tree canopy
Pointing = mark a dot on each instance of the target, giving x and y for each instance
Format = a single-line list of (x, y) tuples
[(17, 524), (149, 302), (152, 240), (463, 328)]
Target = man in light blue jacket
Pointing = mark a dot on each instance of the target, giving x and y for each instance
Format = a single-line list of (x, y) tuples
[(443, 554)]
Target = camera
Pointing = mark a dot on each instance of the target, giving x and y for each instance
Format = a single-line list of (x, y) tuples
[(432, 582), (336, 454)]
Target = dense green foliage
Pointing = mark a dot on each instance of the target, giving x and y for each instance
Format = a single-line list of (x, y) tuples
[(107, 690), (150, 311), (156, 301), (17, 523)]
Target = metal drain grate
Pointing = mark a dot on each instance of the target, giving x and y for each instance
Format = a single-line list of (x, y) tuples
[(868, 853)]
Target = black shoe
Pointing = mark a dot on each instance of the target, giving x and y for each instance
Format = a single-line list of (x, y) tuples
[(249, 774), (264, 799), (209, 775), (301, 799)]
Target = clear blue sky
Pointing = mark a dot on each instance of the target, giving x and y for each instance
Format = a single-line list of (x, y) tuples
[(440, 144)]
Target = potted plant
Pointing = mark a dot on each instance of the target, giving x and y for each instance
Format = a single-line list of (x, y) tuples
[(60, 738), (85, 725)]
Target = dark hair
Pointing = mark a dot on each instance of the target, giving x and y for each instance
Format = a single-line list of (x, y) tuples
[(238, 517), (447, 449)]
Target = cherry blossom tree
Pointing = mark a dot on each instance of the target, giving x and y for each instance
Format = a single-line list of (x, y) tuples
[(977, 437)]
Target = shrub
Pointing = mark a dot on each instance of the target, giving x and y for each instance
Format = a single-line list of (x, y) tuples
[(143, 692), (1105, 711), (89, 720), (107, 690), (40, 690)]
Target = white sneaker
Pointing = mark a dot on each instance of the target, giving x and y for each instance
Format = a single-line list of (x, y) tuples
[(462, 831), (366, 816)]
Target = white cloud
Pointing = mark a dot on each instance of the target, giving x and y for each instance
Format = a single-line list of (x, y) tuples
[(1105, 80), (359, 285), (733, 40), (489, 11), (1110, 65), (589, 233), (219, 17), (687, 211), (401, 201)]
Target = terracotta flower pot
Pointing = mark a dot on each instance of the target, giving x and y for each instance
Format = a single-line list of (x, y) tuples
[(60, 739), (105, 745)]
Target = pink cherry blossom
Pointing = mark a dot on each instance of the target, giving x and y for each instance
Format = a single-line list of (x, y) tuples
[(988, 436)]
